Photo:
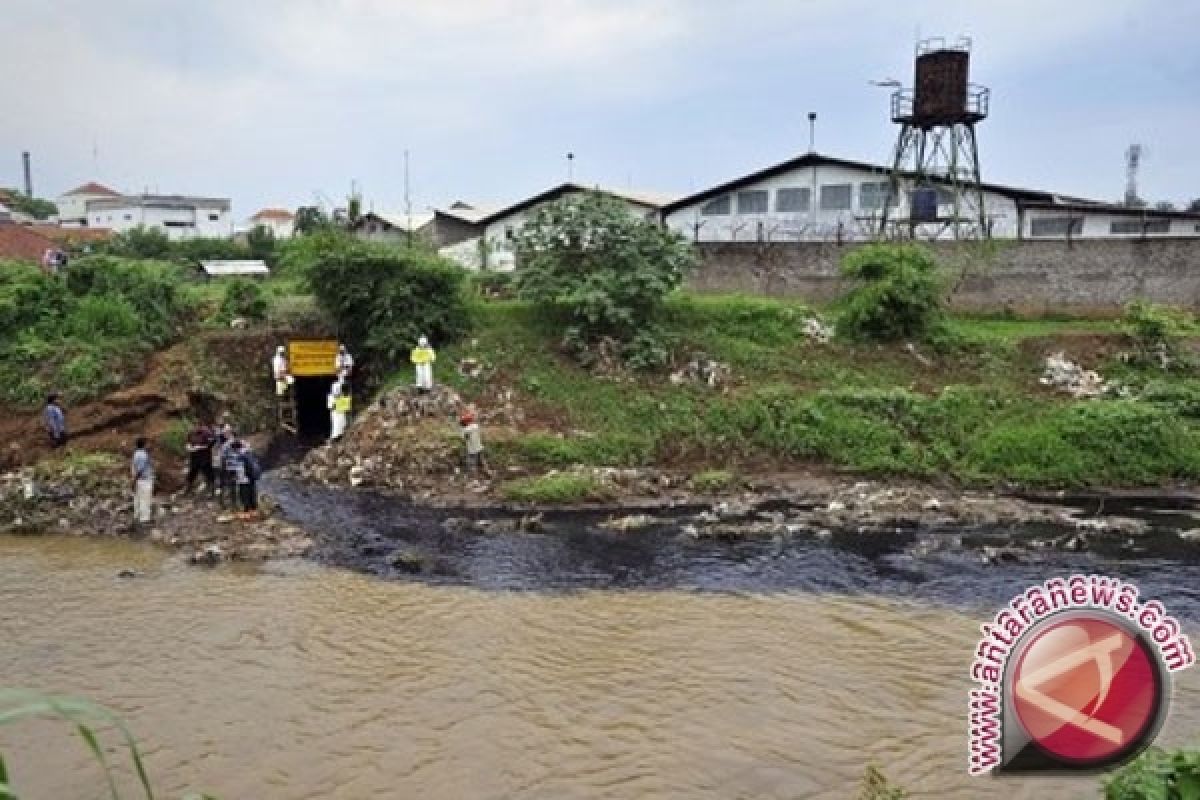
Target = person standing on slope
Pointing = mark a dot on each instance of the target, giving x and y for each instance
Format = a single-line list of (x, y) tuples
[(423, 358)]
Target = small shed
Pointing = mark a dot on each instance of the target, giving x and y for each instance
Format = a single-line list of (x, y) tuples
[(230, 269)]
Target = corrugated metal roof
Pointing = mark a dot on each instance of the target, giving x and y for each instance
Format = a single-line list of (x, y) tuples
[(225, 268), (650, 200), (401, 220)]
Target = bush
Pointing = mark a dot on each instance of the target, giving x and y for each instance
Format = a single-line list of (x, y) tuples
[(140, 242), (243, 298), (711, 481), (152, 289), (174, 439), (587, 260), (605, 450), (1157, 775), (382, 298), (898, 293), (558, 488), (1155, 331), (96, 317)]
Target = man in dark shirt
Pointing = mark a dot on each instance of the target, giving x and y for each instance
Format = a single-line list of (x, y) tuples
[(199, 448), (55, 421)]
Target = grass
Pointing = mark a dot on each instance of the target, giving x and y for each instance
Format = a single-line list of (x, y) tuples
[(971, 411), (711, 481), (556, 488)]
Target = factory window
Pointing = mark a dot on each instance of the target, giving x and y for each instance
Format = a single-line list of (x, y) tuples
[(752, 202), (716, 208), (1056, 226), (872, 196), (129, 216), (1139, 226), (213, 217), (793, 199), (171, 223), (837, 197)]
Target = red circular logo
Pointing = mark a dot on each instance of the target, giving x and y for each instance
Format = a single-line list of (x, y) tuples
[(1086, 690)]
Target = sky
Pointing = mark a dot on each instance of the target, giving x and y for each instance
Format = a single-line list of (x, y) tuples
[(296, 102)]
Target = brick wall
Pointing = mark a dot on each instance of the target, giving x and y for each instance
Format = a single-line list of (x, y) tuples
[(1032, 277)]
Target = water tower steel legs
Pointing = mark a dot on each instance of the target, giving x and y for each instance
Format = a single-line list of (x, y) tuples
[(945, 157)]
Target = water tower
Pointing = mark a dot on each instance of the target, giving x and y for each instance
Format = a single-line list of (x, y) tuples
[(937, 154)]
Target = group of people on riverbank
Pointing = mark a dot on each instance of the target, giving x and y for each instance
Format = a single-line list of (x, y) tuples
[(228, 466)]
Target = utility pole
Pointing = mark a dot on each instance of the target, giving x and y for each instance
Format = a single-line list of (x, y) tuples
[(407, 198)]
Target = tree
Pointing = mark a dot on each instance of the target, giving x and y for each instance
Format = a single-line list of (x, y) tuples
[(310, 219), (898, 293), (383, 298), (606, 272), (35, 207), (140, 242), (261, 242)]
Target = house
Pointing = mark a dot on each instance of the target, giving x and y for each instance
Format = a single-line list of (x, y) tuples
[(814, 197), (72, 205), (179, 216), (492, 244), (395, 227), (279, 221)]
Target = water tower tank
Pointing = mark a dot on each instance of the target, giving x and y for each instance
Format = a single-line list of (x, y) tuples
[(940, 96)]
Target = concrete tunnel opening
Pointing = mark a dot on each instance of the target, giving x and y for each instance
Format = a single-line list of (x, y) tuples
[(312, 410)]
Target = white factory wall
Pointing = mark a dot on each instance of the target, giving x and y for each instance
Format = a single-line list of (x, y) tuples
[(177, 222), (1053, 224), (816, 223)]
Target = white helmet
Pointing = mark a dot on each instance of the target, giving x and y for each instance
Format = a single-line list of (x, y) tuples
[(423, 342)]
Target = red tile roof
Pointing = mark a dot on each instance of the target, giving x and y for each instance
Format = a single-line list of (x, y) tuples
[(274, 213), (92, 188), (19, 243)]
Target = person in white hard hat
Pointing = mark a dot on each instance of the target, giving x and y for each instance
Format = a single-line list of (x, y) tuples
[(343, 363), (339, 409), (279, 368), (423, 358)]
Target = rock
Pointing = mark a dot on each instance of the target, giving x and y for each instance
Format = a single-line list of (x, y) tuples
[(210, 555), (835, 506), (357, 475), (408, 561), (129, 573), (1074, 543), (630, 523), (239, 323), (531, 523), (690, 530), (932, 504), (1000, 555), (817, 331), (1192, 535)]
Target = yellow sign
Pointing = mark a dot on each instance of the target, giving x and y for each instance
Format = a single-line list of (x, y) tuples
[(309, 358)]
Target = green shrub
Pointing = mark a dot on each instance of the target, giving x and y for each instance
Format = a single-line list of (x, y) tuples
[(875, 786), (384, 298), (558, 488), (95, 317), (1178, 397), (174, 439), (243, 298), (1097, 443), (1155, 331), (711, 481), (586, 260), (898, 293), (604, 450), (140, 242), (152, 288), (1157, 775)]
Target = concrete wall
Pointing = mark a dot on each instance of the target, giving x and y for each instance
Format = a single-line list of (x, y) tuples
[(1032, 277)]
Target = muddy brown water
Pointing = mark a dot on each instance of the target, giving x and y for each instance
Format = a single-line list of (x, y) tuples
[(302, 681)]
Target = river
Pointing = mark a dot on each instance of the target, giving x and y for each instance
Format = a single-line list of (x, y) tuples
[(732, 671)]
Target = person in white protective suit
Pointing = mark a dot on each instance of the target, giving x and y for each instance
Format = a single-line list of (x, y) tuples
[(343, 363), (339, 409), (281, 371), (423, 358)]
